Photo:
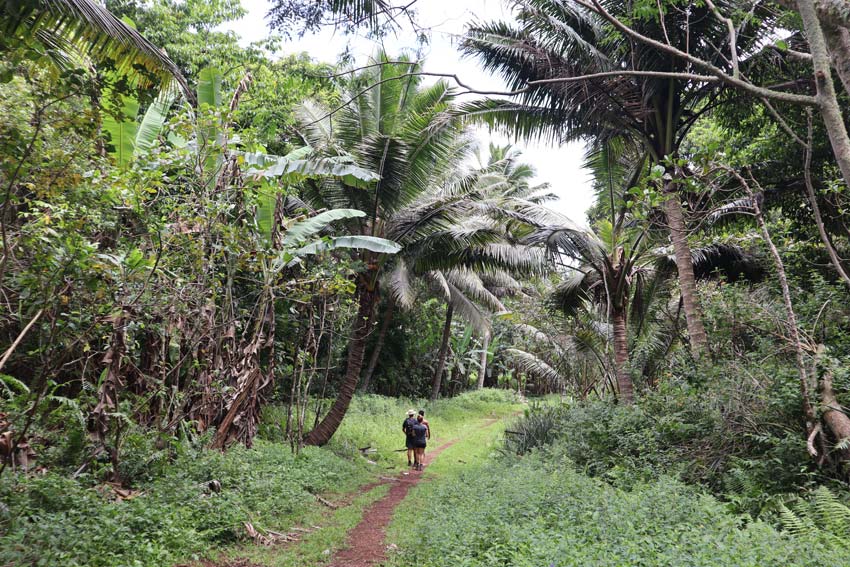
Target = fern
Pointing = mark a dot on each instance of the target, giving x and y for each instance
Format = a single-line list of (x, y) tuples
[(12, 384), (822, 516), (832, 516), (797, 524)]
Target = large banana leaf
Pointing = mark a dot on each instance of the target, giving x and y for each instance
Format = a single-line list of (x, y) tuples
[(209, 131), (209, 87), (267, 200), (371, 243), (294, 170), (288, 257), (302, 230), (154, 119), (121, 126)]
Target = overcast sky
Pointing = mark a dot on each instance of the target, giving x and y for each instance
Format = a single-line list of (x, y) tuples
[(559, 166)]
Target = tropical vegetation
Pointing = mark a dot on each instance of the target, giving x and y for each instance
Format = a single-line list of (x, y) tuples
[(227, 273)]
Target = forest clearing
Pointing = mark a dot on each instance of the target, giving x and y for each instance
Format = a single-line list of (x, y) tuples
[(476, 283)]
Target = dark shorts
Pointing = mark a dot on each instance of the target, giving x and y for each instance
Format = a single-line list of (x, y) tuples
[(419, 444), (409, 443)]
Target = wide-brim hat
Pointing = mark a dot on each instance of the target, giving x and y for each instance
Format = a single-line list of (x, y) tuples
[(411, 412)]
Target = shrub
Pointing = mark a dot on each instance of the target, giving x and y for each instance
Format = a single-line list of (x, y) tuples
[(538, 510), (678, 430), (621, 443), (56, 521)]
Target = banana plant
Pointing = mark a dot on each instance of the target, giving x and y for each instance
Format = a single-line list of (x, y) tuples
[(301, 239), (129, 138), (254, 182)]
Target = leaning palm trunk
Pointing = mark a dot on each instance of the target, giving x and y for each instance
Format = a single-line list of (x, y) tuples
[(367, 295), (379, 345), (485, 344), (621, 356), (687, 281), (441, 357)]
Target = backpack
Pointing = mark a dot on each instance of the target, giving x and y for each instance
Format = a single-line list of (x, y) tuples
[(410, 421)]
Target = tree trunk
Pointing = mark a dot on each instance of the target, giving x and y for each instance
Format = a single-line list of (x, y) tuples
[(323, 432), (827, 101), (482, 373), (835, 21), (833, 416), (687, 281), (441, 357), (621, 356), (838, 41), (379, 345), (793, 329)]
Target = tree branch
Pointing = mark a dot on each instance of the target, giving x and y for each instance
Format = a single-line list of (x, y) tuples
[(760, 92), (19, 338), (810, 190), (733, 42), (529, 86)]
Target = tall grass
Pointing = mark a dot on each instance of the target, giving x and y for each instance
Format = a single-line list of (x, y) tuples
[(375, 421), (176, 512)]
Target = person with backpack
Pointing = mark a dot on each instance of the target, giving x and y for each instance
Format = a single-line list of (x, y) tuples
[(420, 441), (407, 428), (425, 422)]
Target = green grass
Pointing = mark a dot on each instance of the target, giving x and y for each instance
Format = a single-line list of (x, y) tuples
[(477, 444), (52, 520), (539, 511), (56, 521), (317, 547), (375, 421)]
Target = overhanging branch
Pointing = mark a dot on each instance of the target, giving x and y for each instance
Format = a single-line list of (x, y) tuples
[(720, 74)]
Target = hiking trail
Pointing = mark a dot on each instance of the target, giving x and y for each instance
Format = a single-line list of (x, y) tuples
[(365, 545)]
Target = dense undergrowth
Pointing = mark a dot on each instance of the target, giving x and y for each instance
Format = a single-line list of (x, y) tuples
[(538, 510), (173, 512), (52, 520), (679, 432)]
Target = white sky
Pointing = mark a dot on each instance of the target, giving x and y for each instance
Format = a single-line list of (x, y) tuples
[(559, 166)]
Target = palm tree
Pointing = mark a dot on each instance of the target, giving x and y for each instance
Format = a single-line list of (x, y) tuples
[(461, 241), (462, 290), (468, 260), (615, 264), (83, 29), (561, 39), (504, 174), (403, 132), (376, 15), (507, 180)]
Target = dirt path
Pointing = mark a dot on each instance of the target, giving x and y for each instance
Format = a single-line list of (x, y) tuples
[(365, 546)]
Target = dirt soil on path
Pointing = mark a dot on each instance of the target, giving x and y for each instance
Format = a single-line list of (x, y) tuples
[(365, 545)]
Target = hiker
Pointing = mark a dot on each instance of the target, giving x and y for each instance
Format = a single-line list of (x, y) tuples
[(407, 427), (420, 437), (425, 422)]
